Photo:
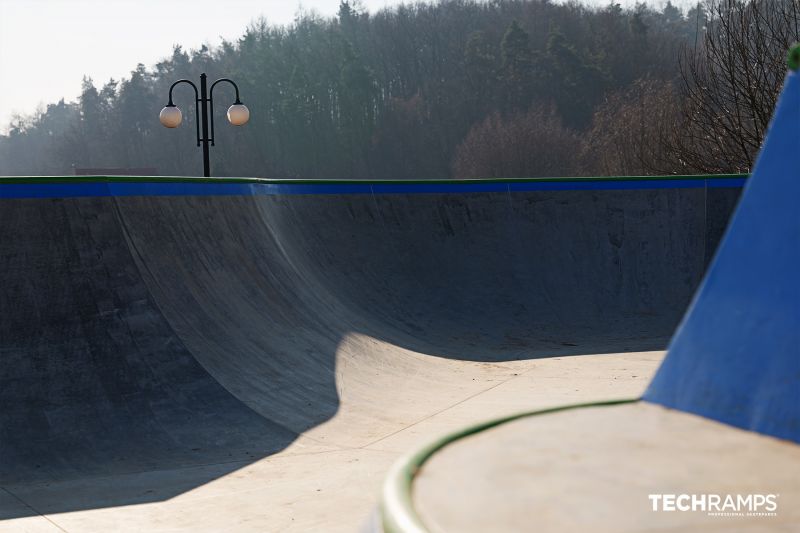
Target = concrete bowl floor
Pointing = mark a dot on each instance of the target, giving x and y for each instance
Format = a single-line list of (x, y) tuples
[(328, 479), (593, 469)]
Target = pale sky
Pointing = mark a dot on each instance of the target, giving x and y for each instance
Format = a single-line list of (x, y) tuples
[(47, 46)]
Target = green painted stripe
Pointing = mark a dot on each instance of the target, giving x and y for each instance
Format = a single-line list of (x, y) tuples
[(181, 179), (397, 507)]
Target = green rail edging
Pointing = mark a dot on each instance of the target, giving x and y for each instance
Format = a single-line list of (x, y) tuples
[(397, 513), (186, 179)]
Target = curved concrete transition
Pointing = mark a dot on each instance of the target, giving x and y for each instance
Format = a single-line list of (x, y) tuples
[(595, 469), (245, 354)]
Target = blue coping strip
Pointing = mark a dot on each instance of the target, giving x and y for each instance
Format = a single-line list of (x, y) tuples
[(156, 188)]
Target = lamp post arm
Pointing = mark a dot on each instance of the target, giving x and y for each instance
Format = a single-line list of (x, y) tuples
[(235, 87), (196, 104), (211, 101), (171, 87)]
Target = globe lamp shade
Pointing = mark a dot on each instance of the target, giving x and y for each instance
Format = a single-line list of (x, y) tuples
[(238, 114), (170, 117)]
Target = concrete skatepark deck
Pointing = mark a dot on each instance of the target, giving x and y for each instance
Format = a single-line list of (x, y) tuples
[(593, 469), (162, 335)]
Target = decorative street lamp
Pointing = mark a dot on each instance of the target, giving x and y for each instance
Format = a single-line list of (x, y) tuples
[(171, 116)]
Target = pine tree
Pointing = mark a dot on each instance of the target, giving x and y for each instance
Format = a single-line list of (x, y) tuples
[(516, 67)]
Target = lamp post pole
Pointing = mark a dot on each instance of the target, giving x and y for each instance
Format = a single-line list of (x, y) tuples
[(204, 114), (171, 116)]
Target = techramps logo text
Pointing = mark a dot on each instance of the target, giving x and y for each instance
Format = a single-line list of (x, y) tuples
[(717, 504)]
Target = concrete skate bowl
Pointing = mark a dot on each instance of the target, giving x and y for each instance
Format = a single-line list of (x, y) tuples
[(166, 323)]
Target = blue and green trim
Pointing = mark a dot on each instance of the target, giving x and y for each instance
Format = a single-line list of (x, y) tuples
[(91, 186)]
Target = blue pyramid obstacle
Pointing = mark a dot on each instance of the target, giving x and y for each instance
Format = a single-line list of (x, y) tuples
[(736, 356)]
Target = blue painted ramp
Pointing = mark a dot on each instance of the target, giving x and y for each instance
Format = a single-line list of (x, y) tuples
[(736, 356)]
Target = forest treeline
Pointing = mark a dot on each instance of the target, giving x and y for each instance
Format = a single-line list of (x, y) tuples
[(456, 88)]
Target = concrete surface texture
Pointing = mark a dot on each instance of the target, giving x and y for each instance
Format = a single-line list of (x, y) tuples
[(736, 358), (309, 486), (594, 468), (163, 355)]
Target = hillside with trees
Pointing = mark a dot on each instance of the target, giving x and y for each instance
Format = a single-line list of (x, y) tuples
[(456, 88)]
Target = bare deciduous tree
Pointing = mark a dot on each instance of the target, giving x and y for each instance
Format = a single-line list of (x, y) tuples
[(631, 131), (533, 144), (731, 80)]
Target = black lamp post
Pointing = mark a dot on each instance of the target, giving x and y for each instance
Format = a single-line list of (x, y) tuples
[(171, 116)]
